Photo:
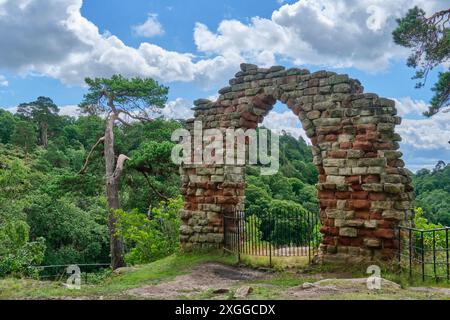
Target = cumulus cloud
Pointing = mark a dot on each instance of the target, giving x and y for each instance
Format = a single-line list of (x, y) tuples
[(3, 81), (65, 45), (285, 121), (178, 109), (150, 28), (407, 106), (429, 133), (336, 33)]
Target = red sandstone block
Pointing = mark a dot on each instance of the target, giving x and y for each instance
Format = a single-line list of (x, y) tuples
[(364, 215), (326, 195), (327, 203), (249, 116), (345, 145), (371, 178), (359, 195), (338, 154), (343, 195), (384, 224), (357, 187), (248, 124), (384, 146), (363, 145), (331, 137), (390, 244), (359, 204), (372, 135), (259, 103), (230, 109), (357, 242), (370, 154), (352, 179), (366, 127), (377, 196), (384, 233)]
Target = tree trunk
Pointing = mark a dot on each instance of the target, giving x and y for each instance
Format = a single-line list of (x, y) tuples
[(44, 134), (112, 193)]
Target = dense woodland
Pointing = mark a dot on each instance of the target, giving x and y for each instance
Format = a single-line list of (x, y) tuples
[(53, 203)]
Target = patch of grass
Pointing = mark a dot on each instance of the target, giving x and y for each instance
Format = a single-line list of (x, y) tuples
[(278, 263), (114, 285)]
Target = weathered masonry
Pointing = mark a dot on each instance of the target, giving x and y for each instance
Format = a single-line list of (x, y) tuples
[(364, 190)]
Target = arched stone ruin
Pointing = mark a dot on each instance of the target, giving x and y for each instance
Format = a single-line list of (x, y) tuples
[(364, 191)]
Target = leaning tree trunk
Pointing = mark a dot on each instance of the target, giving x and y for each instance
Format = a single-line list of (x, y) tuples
[(112, 193)]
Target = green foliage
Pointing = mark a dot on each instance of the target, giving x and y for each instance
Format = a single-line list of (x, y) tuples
[(429, 40), (24, 135), (7, 125), (73, 235), (422, 223), (128, 94), (433, 193), (149, 238)]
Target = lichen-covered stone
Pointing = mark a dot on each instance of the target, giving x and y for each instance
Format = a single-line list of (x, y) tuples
[(364, 191)]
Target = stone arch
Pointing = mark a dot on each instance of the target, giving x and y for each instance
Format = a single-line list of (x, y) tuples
[(364, 191)]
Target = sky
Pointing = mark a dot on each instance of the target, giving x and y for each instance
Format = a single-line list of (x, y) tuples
[(48, 47)]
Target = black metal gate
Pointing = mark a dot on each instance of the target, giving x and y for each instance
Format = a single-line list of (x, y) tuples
[(267, 235)]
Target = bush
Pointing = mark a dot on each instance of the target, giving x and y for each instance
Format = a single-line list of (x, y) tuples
[(16, 252), (149, 238)]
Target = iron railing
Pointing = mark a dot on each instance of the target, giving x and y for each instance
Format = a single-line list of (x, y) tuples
[(424, 253), (268, 235)]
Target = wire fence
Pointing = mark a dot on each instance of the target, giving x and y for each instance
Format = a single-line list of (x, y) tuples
[(266, 235), (425, 254), (89, 273)]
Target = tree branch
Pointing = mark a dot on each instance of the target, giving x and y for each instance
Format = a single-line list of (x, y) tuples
[(119, 166), (153, 187), (83, 170)]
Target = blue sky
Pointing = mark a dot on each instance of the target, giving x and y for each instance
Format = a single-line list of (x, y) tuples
[(195, 46)]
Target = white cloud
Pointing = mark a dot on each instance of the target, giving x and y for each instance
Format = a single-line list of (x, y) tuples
[(150, 28), (285, 121), (3, 81), (428, 133), (65, 45), (178, 109), (69, 110), (335, 33), (408, 106)]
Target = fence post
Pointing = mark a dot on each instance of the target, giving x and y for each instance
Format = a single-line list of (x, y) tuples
[(399, 229), (224, 233), (270, 241), (410, 253), (423, 256), (238, 218), (434, 255), (447, 253)]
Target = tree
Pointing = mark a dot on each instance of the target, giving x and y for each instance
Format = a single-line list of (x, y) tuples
[(7, 124), (24, 135), (120, 100), (42, 112), (429, 40)]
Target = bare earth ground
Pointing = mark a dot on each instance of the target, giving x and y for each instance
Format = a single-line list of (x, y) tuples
[(220, 281)]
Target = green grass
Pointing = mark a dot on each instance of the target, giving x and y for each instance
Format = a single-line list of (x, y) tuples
[(115, 285), (273, 287)]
